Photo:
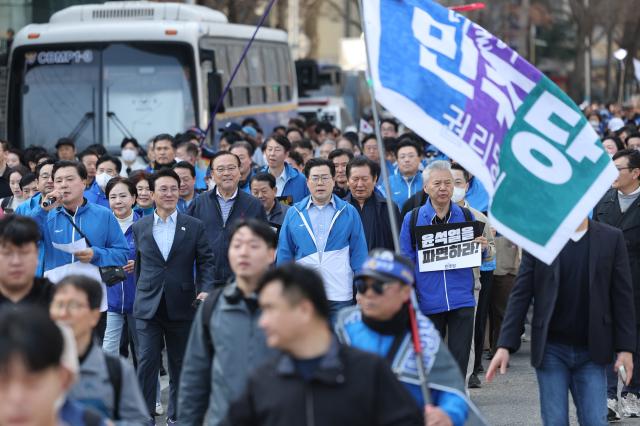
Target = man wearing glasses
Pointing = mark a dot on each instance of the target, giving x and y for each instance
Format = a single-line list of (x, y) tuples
[(325, 233), (620, 207), (168, 245), (221, 207), (380, 324)]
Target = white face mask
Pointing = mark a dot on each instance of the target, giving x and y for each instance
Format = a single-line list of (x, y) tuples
[(129, 155), (102, 180), (458, 194)]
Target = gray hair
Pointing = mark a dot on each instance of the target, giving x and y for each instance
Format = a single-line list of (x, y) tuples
[(436, 165)]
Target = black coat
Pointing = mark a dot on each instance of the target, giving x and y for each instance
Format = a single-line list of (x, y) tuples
[(207, 208), (375, 221), (608, 211), (350, 387), (611, 312), (176, 277), (418, 199)]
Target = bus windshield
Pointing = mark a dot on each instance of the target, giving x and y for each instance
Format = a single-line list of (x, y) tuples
[(101, 94)]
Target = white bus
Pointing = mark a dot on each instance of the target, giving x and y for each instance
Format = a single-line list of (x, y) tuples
[(100, 72)]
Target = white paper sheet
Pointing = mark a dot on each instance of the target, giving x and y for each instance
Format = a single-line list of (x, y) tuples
[(73, 247)]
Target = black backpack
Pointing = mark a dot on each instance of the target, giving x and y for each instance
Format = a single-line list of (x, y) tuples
[(414, 219), (114, 370)]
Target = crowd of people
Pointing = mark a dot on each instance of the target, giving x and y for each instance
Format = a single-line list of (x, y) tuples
[(264, 276)]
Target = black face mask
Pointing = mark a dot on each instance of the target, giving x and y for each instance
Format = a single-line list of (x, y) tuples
[(396, 325)]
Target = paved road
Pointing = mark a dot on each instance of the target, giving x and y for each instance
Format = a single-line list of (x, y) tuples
[(512, 399)]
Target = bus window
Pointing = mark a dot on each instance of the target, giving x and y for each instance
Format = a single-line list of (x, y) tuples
[(240, 85), (256, 74), (271, 74), (286, 77), (60, 95), (146, 86)]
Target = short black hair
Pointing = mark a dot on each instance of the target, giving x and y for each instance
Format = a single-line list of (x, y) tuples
[(259, 228), (391, 121), (230, 137), (317, 162), (125, 141), (5, 145), (283, 141), (19, 230), (88, 152), (465, 173), (616, 140), (362, 161), (28, 333), (162, 173), (297, 122), (405, 142), (98, 149), (368, 137), (164, 137), (339, 152), (19, 153), (324, 126), (298, 283), (80, 168), (186, 165), (190, 147), (44, 163), (633, 156), (279, 127), (89, 286), (119, 179), (223, 153), (115, 160), (19, 169), (294, 129), (27, 179), (264, 177), (633, 135), (243, 144), (65, 141), (250, 121), (297, 157), (303, 143), (31, 153)]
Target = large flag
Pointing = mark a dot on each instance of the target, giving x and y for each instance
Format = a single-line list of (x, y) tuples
[(478, 101)]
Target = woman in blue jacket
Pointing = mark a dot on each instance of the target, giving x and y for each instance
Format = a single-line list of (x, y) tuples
[(121, 194)]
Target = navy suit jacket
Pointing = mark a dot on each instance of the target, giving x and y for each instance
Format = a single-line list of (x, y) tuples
[(175, 276)]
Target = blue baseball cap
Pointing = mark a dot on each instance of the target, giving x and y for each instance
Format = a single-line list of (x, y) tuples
[(386, 265)]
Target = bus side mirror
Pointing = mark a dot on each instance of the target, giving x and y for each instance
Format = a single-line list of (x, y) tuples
[(214, 83), (308, 75)]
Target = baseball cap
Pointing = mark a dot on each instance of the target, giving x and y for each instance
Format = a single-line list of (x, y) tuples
[(386, 265), (231, 127), (250, 131), (615, 124)]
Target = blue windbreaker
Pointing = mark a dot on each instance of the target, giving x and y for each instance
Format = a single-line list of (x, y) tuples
[(120, 297), (402, 189), (345, 251), (23, 210), (438, 291), (95, 195), (296, 185), (109, 246)]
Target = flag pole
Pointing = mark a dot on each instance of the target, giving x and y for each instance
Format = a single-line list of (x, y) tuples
[(384, 173), (415, 334)]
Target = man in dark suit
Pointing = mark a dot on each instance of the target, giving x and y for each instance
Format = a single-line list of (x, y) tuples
[(620, 207), (582, 313), (221, 207), (168, 244)]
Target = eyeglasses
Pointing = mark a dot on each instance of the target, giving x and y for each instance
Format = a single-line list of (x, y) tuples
[(230, 169), (71, 306), (323, 178), (364, 284)]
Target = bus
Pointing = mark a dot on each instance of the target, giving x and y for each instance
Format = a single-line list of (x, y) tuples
[(98, 73)]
